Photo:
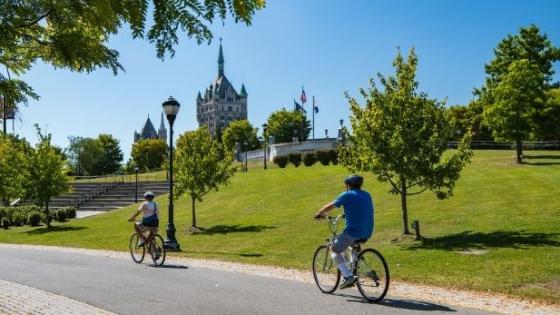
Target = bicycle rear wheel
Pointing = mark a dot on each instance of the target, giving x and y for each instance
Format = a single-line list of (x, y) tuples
[(157, 250), (325, 272), (373, 275), (137, 252)]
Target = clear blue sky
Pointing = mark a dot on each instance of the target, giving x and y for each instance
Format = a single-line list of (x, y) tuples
[(328, 46)]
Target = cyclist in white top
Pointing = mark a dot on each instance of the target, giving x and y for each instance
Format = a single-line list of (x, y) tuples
[(150, 218)]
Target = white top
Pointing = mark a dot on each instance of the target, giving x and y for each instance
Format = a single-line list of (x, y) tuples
[(148, 208)]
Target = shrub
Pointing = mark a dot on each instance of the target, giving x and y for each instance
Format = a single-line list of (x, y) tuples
[(70, 212), (295, 158), (5, 222), (309, 158), (333, 156), (60, 215), (34, 218), (281, 161), (323, 157), (18, 218)]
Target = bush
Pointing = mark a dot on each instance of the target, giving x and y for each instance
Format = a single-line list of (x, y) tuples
[(60, 215), (295, 158), (309, 158), (70, 212), (5, 222), (18, 218), (333, 156), (323, 157), (34, 218), (281, 161)]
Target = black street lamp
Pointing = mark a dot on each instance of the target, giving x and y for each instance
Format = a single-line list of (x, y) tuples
[(327, 133), (171, 108), (136, 190), (246, 145), (265, 127)]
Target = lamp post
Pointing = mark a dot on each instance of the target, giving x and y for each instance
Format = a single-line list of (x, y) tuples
[(265, 127), (327, 133), (136, 190), (245, 144), (171, 108)]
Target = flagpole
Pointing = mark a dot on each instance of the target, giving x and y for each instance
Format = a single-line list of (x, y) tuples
[(313, 124)]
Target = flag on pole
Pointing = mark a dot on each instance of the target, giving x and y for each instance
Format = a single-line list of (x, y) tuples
[(303, 98), (315, 106), (297, 107)]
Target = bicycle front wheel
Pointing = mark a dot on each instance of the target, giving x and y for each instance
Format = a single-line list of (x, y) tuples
[(157, 250), (325, 272), (373, 275), (136, 251)]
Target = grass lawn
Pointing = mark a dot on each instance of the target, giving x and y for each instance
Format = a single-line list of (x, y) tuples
[(500, 232)]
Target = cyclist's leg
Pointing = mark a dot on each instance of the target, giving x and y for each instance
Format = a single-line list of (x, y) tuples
[(340, 244)]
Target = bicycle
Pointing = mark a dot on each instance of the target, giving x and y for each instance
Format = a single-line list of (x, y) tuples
[(368, 265), (154, 244)]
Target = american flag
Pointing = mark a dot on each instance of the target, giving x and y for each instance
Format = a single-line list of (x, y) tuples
[(303, 98)]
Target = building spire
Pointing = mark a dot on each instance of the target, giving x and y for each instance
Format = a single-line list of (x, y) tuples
[(221, 61), (161, 125)]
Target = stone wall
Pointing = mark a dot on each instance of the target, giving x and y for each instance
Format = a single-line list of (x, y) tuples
[(289, 147)]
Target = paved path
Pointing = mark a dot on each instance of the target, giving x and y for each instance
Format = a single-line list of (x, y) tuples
[(120, 286)]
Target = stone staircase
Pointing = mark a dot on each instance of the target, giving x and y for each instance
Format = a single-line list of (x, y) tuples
[(106, 196)]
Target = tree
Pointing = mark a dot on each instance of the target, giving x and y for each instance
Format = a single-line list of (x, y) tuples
[(548, 117), (13, 167), (46, 173), (516, 99), (240, 131), (75, 34), (459, 123), (281, 125), (110, 160), (149, 153), (200, 167), (401, 135)]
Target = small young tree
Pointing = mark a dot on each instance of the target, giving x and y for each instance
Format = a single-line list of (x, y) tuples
[(240, 131), (199, 167), (13, 159), (47, 173), (516, 97), (400, 135)]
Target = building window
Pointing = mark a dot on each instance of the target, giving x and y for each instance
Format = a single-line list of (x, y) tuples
[(229, 108)]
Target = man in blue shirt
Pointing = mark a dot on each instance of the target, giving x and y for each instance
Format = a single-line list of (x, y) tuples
[(358, 210)]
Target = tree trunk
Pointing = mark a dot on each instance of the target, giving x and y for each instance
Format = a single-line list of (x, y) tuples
[(404, 208), (48, 217), (519, 147), (193, 212)]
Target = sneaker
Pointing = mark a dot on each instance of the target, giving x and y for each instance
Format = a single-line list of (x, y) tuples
[(348, 282), (141, 243)]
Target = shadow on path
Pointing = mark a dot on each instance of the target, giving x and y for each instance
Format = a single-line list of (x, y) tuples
[(234, 228), (170, 266), (43, 230), (469, 240), (400, 304)]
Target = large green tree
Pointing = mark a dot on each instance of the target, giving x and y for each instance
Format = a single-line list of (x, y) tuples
[(516, 99), (149, 153), (112, 156), (282, 123), (240, 131), (47, 173), (401, 135), (75, 34), (199, 167), (13, 167), (548, 117)]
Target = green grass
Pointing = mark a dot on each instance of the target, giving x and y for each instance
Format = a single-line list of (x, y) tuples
[(509, 213)]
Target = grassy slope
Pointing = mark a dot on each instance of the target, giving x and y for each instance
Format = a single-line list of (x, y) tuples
[(264, 217)]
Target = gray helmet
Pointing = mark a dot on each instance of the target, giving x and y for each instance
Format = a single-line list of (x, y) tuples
[(354, 180), (149, 194)]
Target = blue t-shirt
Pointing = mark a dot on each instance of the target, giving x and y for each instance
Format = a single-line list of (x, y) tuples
[(358, 209)]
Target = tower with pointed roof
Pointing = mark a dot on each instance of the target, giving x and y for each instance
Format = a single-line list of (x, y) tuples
[(221, 104), (149, 132)]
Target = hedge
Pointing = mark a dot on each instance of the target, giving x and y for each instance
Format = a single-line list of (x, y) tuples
[(280, 160), (295, 158), (309, 158), (32, 215), (323, 157)]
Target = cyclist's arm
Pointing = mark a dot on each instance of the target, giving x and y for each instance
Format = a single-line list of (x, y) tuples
[(136, 213), (326, 208)]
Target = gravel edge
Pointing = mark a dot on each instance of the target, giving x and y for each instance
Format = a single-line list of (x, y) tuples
[(468, 299)]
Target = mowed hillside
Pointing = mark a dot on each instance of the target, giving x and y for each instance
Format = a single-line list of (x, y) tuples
[(500, 232)]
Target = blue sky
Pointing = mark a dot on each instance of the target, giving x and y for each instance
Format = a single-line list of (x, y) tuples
[(328, 46)]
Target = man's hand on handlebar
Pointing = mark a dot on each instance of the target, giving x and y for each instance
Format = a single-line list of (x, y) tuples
[(319, 216)]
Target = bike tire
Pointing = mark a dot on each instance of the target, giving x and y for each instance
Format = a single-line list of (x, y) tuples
[(137, 252), (373, 275), (327, 281), (157, 250)]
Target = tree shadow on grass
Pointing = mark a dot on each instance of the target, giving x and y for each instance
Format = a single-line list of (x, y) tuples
[(235, 228), (233, 254), (44, 230), (400, 304), (549, 157), (469, 240), (531, 159)]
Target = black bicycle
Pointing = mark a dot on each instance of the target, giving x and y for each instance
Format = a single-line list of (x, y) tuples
[(154, 244), (368, 265)]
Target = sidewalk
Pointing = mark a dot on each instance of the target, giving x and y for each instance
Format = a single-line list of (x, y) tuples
[(18, 299)]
